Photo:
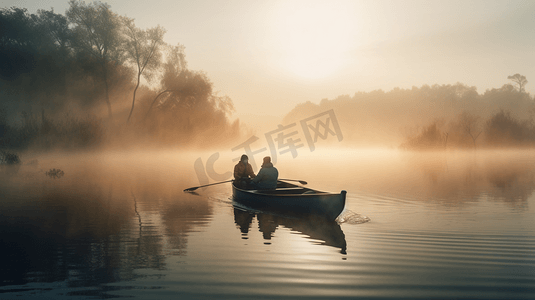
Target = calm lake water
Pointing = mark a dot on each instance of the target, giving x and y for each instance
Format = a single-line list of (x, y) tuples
[(456, 225)]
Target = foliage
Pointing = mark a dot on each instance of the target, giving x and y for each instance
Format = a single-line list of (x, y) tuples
[(464, 130), (188, 107), (8, 158), (96, 33), (502, 129), (397, 116), (33, 54), (143, 48), (430, 138), (67, 132), (92, 58), (55, 173), (96, 29), (87, 61), (520, 80)]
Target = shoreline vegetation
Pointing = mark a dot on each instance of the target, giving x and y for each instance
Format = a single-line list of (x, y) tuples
[(437, 117), (91, 79)]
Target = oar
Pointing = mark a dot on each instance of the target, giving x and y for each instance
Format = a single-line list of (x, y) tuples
[(196, 187), (300, 181)]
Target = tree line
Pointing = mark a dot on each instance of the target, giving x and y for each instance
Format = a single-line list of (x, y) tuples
[(78, 79), (433, 117)]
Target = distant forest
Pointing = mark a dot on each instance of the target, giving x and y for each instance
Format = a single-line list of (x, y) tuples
[(433, 117), (91, 77)]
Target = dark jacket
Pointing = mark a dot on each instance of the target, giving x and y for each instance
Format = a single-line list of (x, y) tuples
[(267, 177), (241, 170)]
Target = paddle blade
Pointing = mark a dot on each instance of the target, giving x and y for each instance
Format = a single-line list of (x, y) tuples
[(303, 182), (191, 189)]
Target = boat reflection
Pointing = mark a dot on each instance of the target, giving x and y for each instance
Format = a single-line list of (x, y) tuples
[(329, 233)]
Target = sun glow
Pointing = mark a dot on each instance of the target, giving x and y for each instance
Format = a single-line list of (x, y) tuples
[(313, 39)]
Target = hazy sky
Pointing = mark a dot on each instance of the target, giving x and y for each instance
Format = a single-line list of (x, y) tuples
[(269, 56)]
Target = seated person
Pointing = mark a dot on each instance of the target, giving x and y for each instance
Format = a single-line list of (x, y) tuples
[(243, 172), (267, 176)]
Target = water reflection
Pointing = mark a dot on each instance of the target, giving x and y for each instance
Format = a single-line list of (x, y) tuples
[(505, 178), (88, 231), (105, 228), (322, 232)]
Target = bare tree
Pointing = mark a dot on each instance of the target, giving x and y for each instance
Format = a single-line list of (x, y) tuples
[(97, 33), (520, 80), (470, 125), (144, 51)]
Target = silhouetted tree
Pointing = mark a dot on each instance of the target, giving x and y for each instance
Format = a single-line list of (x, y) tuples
[(55, 27), (18, 42), (520, 80), (187, 105), (174, 65), (502, 129), (53, 60), (143, 48), (33, 56), (96, 32)]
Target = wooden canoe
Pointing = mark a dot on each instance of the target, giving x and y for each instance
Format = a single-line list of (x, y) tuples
[(291, 199)]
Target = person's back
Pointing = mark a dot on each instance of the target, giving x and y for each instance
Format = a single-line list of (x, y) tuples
[(243, 169), (267, 176), (243, 172)]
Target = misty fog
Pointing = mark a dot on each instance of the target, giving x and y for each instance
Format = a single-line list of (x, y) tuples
[(103, 125), (70, 84), (107, 186), (432, 117), (65, 89)]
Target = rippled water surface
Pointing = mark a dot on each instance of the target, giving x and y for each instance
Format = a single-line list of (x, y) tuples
[(434, 225)]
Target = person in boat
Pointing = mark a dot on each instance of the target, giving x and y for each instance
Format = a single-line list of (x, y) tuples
[(267, 176), (243, 172)]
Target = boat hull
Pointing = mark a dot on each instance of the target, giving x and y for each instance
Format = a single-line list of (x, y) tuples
[(289, 199)]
